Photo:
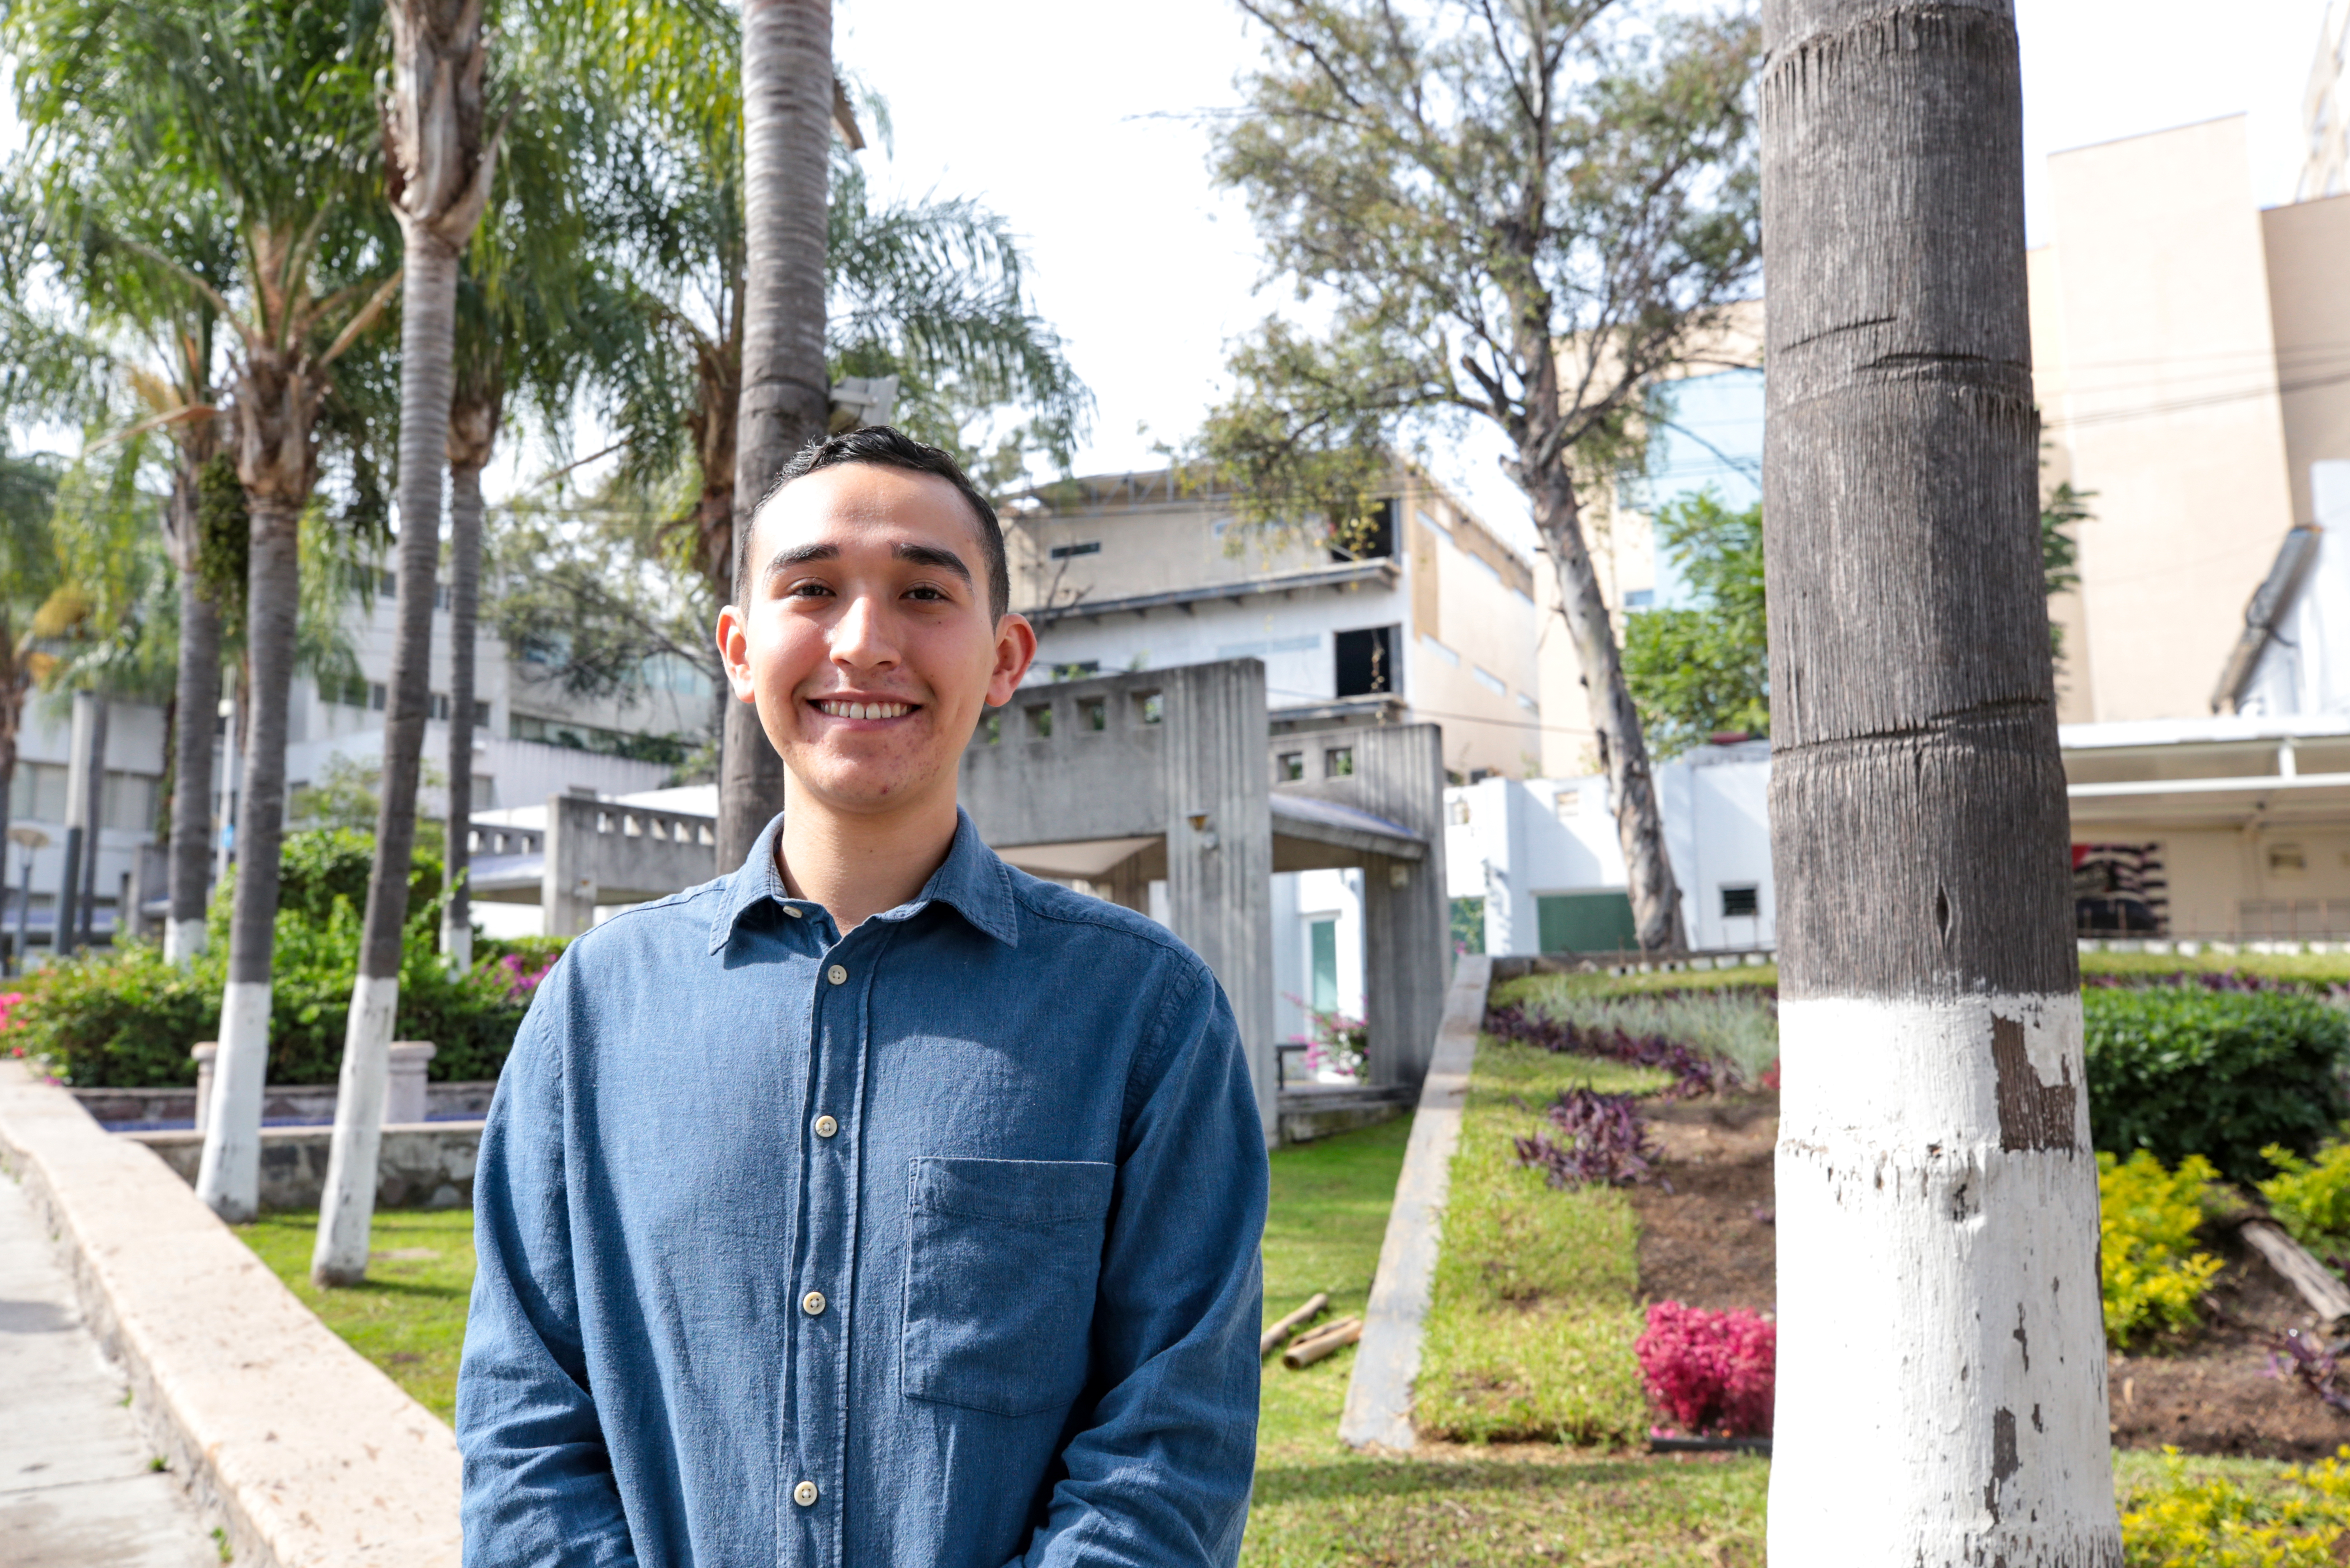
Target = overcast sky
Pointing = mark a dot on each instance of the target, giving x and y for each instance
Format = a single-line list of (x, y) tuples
[(1070, 117), (1077, 120)]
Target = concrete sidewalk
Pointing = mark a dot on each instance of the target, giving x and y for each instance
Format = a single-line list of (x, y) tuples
[(77, 1490)]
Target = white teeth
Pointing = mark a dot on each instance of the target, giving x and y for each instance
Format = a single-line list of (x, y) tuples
[(866, 710)]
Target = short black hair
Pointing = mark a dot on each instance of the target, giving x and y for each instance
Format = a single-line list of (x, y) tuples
[(885, 446)]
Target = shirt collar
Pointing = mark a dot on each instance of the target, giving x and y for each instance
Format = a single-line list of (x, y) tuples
[(972, 881)]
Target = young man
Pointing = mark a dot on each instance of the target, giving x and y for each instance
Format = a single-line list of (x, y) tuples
[(875, 1203)]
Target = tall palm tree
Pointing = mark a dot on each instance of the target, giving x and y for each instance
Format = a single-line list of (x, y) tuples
[(442, 159), (268, 106), (787, 93), (1941, 1350)]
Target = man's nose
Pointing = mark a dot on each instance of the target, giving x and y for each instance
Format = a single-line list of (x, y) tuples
[(861, 636)]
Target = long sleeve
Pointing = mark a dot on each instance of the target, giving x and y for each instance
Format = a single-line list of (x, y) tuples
[(1160, 1475), (538, 1483)]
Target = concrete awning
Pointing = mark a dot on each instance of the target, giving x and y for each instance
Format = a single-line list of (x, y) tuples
[(1327, 822)]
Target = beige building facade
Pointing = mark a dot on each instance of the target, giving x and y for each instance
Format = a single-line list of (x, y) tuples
[(1433, 619)]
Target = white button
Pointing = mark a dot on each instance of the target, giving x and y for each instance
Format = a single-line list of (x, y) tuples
[(804, 1494), (837, 975), (793, 913), (826, 1127), (812, 1304)]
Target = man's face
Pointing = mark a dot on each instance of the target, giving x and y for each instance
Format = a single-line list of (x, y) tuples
[(865, 638)]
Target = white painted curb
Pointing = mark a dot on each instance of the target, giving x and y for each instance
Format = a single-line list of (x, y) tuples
[(1379, 1394), (310, 1456)]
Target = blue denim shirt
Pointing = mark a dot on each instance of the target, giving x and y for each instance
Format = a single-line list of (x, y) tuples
[(935, 1243)]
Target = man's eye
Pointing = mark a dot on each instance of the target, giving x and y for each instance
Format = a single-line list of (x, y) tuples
[(925, 591), (807, 590)]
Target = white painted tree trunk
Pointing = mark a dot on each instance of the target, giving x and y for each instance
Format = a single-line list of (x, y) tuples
[(182, 941), (1941, 1340), (229, 1178), (346, 1208)]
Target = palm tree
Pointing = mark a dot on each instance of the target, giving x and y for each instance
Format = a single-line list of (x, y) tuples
[(266, 104), (1941, 1350), (442, 159)]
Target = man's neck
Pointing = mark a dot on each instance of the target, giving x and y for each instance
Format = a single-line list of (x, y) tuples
[(856, 864)]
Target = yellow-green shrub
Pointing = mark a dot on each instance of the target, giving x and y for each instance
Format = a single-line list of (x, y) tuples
[(2312, 1200), (2147, 1219), (2210, 1521)]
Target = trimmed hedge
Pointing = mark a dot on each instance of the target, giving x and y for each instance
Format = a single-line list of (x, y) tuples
[(2181, 1070), (125, 1019)]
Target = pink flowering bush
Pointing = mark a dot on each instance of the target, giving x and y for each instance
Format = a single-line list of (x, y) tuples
[(1710, 1372), (521, 975)]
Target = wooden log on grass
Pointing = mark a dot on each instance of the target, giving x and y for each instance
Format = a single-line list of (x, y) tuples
[(1316, 1305), (2320, 1286), (1313, 1346)]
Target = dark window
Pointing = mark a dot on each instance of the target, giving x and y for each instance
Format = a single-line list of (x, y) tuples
[(1740, 902), (440, 706), (1338, 762), (1289, 766), (1093, 713), (1063, 552), (1150, 707), (376, 696), (1370, 540), (1366, 661), (1040, 722)]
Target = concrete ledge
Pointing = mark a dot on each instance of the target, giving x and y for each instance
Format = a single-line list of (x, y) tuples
[(1320, 1110), (1379, 1394), (308, 1456), (425, 1165), (164, 1110)]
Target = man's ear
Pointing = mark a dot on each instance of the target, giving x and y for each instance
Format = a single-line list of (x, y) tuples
[(1015, 651), (734, 653)]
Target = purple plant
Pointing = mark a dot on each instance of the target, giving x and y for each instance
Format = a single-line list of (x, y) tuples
[(1693, 1072), (1606, 1142), (2312, 1363), (521, 978), (2231, 980)]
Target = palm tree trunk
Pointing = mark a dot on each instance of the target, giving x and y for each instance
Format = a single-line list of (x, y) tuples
[(1623, 749), (197, 704), (428, 336), (229, 1180), (93, 815), (786, 142), (1941, 1352), (464, 596)]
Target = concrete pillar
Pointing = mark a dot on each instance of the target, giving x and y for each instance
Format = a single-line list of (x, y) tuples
[(405, 1097), (566, 893), (1406, 918), (1219, 844), (1128, 883), (203, 1052)]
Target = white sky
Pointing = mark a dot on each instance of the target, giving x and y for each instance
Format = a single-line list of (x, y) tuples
[(1070, 118)]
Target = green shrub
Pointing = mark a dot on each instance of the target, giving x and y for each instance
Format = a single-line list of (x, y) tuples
[(2180, 1070), (2147, 1219), (2311, 1200), (2206, 1520), (125, 1019)]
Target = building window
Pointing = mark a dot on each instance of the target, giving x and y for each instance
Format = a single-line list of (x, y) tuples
[(1322, 946), (1364, 661), (1093, 713), (666, 749), (440, 706), (1338, 762), (1741, 902), (1372, 539), (1289, 767), (350, 693), (1150, 707), (1063, 552), (1640, 598), (1488, 680), (375, 696), (1569, 803), (1040, 722), (1457, 813)]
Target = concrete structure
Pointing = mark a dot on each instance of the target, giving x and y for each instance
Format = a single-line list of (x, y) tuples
[(581, 853), (1433, 619), (282, 1434), (1165, 792), (420, 1164), (1542, 858), (2326, 111)]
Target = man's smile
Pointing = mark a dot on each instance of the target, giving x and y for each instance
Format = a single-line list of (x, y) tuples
[(836, 708)]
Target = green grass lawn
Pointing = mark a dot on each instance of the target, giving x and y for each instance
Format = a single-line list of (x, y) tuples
[(408, 1318)]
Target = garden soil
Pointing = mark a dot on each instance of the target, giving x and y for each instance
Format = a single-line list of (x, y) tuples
[(1707, 1238)]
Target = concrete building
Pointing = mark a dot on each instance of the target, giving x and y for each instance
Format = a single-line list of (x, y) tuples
[(1434, 619), (2325, 111)]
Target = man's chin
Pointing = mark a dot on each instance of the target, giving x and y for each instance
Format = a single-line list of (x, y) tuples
[(858, 789)]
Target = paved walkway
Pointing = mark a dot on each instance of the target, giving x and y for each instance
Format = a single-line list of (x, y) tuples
[(76, 1485)]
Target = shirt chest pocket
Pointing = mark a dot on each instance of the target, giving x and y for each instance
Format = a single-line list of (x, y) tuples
[(1001, 1263)]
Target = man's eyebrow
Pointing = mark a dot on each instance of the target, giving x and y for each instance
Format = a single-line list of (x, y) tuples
[(800, 554), (934, 556)]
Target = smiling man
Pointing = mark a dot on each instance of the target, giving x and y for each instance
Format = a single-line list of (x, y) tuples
[(875, 1203)]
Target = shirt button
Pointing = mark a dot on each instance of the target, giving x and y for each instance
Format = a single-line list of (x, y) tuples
[(793, 913), (837, 975), (812, 1304), (804, 1494), (826, 1127)]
